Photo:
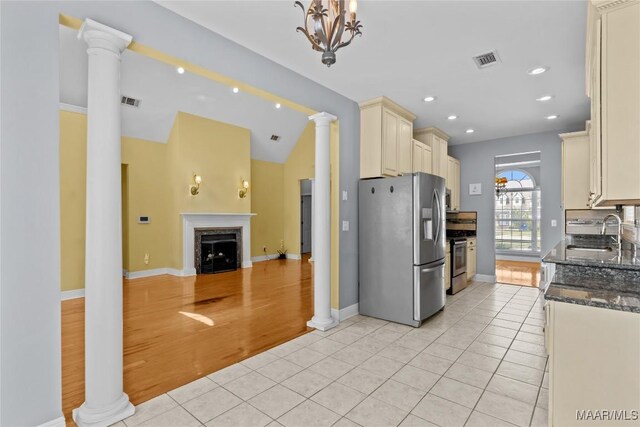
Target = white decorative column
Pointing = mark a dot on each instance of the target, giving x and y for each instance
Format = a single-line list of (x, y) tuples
[(313, 224), (322, 319), (105, 401)]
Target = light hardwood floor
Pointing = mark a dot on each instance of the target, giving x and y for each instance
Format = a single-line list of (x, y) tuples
[(177, 330), (518, 272)]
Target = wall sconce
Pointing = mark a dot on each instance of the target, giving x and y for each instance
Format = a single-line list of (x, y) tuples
[(195, 187), (244, 188)]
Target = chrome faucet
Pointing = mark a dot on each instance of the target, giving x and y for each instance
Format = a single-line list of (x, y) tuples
[(604, 229)]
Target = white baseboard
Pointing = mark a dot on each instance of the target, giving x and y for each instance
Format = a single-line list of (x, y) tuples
[(247, 264), (262, 258), (294, 256), (486, 278), (344, 313), (72, 294), (58, 422), (148, 273)]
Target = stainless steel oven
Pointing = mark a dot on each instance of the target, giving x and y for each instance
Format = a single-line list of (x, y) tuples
[(458, 264)]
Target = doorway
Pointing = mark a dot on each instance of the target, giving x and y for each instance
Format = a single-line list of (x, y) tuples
[(306, 215), (517, 218)]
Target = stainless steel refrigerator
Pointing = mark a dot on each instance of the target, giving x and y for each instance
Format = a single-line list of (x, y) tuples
[(402, 229)]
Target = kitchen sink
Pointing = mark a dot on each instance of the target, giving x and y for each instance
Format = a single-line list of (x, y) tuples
[(591, 248)]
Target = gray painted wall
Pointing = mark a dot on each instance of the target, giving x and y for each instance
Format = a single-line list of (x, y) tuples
[(477, 165), (29, 306)]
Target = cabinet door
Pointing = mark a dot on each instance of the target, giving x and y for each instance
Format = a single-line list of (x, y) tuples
[(620, 103), (417, 159), (575, 172), (450, 176), (471, 262), (427, 159), (595, 147), (456, 185), (444, 158), (389, 143), (405, 147)]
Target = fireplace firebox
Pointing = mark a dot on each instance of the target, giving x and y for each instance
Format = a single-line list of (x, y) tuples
[(217, 249)]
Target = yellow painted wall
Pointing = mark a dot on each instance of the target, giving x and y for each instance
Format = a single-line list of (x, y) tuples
[(267, 201), (146, 166), (299, 165), (73, 172), (158, 178), (221, 154)]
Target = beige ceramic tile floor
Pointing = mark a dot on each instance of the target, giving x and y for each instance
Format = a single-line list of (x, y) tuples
[(481, 362)]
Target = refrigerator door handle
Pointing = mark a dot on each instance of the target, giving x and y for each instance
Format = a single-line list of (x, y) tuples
[(439, 220), (429, 270)]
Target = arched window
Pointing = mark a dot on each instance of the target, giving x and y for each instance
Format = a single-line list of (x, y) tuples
[(517, 213)]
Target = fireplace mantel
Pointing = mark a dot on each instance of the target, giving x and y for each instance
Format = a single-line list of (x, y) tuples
[(193, 220)]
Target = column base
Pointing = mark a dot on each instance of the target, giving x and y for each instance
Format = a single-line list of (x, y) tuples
[(322, 324), (103, 417)]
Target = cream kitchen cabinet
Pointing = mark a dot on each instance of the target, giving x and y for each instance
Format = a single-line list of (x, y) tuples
[(437, 140), (421, 157), (613, 78), (471, 258), (576, 169), (593, 362), (453, 181), (386, 146)]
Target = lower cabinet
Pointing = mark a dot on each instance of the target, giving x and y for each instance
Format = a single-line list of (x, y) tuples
[(471, 258), (593, 364), (447, 271)]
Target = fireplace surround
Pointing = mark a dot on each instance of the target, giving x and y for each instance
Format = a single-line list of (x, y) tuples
[(217, 249)]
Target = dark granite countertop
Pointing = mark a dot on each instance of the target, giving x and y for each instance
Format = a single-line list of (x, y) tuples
[(596, 279), (561, 255)]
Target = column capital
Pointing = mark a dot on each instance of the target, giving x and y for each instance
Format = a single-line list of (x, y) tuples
[(99, 35), (323, 118)]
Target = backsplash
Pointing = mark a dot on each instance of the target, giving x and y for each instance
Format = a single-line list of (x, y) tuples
[(589, 222)]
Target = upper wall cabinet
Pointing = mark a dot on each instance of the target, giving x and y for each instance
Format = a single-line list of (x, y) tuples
[(575, 170), (421, 157), (453, 181), (386, 147), (437, 140), (613, 84)]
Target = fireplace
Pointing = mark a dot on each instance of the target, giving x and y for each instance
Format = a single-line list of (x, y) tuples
[(217, 249)]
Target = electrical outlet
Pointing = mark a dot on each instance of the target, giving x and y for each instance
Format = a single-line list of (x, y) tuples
[(345, 225), (554, 223), (345, 196), (146, 259), (264, 249)]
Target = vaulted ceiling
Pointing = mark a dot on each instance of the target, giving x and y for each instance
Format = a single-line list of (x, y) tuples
[(163, 92), (413, 49)]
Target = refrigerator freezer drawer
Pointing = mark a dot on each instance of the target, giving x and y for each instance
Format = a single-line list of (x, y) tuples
[(428, 290)]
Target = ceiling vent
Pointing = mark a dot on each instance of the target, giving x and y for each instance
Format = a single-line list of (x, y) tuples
[(487, 59), (131, 102), (275, 138)]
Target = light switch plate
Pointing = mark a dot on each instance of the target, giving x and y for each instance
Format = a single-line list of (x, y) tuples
[(345, 225), (554, 223), (344, 195), (475, 189)]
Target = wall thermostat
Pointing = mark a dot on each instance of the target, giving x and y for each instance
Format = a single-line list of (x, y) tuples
[(144, 219)]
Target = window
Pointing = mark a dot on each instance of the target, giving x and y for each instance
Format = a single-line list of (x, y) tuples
[(517, 214)]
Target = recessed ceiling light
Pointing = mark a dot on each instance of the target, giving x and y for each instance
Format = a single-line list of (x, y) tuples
[(452, 117), (537, 70), (552, 117), (429, 99), (469, 131), (544, 98), (180, 70), (278, 105), (235, 90)]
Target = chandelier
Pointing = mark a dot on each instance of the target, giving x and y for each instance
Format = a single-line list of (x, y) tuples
[(501, 185), (325, 26)]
